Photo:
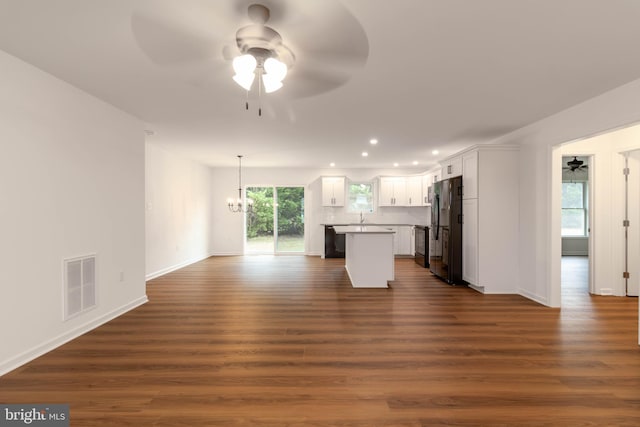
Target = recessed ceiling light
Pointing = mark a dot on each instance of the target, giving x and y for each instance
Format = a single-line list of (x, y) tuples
[(365, 154), (373, 141), (396, 165), (415, 162), (332, 164), (435, 152)]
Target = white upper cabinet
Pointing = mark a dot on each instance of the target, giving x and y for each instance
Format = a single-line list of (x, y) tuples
[(451, 167), (393, 191), (333, 191), (470, 175), (427, 186), (414, 191), (427, 182)]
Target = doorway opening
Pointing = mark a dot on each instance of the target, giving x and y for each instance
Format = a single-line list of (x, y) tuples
[(606, 204), (276, 222), (575, 226), (631, 222)]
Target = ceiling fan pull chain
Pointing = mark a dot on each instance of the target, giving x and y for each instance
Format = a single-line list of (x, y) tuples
[(260, 93)]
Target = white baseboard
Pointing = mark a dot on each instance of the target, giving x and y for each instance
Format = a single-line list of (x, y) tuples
[(227, 254), (533, 297), (476, 288), (39, 350), (241, 254), (175, 267)]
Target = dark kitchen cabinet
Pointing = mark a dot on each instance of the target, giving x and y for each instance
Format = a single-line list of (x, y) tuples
[(333, 243)]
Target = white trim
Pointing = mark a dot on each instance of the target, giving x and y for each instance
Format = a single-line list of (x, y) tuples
[(481, 147), (175, 267), (575, 253), (532, 296), (476, 288), (39, 350), (227, 254), (554, 238)]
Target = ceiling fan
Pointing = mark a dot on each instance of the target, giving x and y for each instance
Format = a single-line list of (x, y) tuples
[(200, 39), (575, 165), (262, 52)]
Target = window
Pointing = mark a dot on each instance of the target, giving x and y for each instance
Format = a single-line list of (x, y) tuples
[(574, 209), (360, 197)]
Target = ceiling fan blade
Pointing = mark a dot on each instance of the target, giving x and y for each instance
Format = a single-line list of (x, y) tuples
[(305, 81), (171, 35), (321, 33), (165, 43)]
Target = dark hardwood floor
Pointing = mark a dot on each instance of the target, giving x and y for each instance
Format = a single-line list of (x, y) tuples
[(286, 341)]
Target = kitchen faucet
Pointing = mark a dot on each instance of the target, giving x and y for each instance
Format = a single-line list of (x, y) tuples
[(361, 218)]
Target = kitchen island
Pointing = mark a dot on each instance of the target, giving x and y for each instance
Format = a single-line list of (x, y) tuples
[(369, 258)]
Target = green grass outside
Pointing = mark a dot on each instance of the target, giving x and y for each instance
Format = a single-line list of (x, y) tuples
[(265, 244)]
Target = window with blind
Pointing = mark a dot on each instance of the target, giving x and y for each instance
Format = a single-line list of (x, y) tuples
[(574, 209)]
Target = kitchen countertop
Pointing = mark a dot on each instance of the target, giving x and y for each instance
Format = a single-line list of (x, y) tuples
[(362, 229)]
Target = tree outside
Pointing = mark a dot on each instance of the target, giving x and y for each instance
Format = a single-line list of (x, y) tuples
[(290, 220), (260, 220)]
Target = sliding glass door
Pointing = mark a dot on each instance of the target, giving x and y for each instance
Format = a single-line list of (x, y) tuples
[(290, 219), (259, 222), (276, 224)]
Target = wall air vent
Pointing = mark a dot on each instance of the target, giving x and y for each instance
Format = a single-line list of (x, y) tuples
[(79, 285)]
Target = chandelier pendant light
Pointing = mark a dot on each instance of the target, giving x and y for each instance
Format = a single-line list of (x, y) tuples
[(262, 55), (239, 205)]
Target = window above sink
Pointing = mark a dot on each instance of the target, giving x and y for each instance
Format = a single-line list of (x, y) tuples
[(360, 197)]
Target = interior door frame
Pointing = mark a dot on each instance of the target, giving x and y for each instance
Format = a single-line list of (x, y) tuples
[(591, 253)]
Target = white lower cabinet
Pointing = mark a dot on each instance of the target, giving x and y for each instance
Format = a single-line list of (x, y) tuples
[(402, 239)]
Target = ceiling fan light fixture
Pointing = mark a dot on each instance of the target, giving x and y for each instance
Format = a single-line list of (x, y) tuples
[(244, 64), (245, 80), (262, 52), (275, 69), (270, 84)]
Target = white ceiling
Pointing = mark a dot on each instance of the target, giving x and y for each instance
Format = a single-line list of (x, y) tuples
[(423, 74)]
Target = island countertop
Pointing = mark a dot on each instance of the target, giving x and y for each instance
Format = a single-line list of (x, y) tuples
[(362, 229)]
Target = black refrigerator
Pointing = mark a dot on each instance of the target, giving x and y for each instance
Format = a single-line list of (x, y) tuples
[(445, 238)]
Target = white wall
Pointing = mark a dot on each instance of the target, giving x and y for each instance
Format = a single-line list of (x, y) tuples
[(178, 211), (228, 227), (539, 225), (71, 184)]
